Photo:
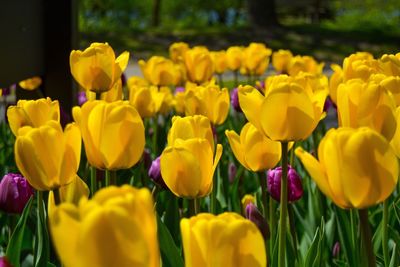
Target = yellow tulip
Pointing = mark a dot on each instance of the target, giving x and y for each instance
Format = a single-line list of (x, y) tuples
[(360, 65), (256, 59), (209, 101), (159, 71), (390, 64), (234, 56), (357, 168), (70, 193), (199, 64), (220, 61), (31, 83), (223, 240), (189, 127), (253, 150), (114, 94), (177, 51), (113, 133), (188, 162), (299, 64), (395, 142), (289, 111), (96, 68), (168, 100), (117, 227), (390, 83), (335, 80), (146, 99), (281, 60), (137, 81), (366, 104), (246, 200), (46, 156), (179, 102), (34, 113)]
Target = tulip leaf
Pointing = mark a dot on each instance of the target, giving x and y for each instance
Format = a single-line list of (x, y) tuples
[(344, 232), (170, 254), (14, 246), (220, 190), (42, 247), (314, 254), (393, 258)]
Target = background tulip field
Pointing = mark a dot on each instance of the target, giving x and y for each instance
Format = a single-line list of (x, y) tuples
[(246, 156)]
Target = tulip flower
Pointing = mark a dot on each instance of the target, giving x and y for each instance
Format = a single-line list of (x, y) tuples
[(177, 51), (357, 168), (390, 64), (146, 99), (234, 57), (188, 162), (96, 68), (113, 133), (256, 59), (253, 150), (137, 81), (48, 157), (224, 240), (308, 64), (4, 262), (288, 111), (235, 100), (281, 60), (34, 113), (220, 61), (155, 173), (389, 83), (366, 104), (246, 200), (254, 215), (168, 100), (31, 83), (114, 94), (117, 227), (159, 71), (209, 100), (15, 191), (295, 189), (199, 64)]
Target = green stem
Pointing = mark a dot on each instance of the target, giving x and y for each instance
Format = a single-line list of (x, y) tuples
[(353, 231), (194, 206), (108, 176), (293, 229), (155, 133), (272, 223), (385, 238), (264, 196), (220, 80), (213, 200), (366, 237), (93, 180), (56, 193), (98, 96), (283, 207)]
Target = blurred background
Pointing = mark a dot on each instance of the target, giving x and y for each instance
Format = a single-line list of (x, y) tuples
[(326, 29)]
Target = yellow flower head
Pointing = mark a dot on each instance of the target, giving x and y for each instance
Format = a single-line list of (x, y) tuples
[(31, 83), (253, 150), (357, 168), (281, 60), (220, 61), (113, 133), (46, 156), (256, 59), (117, 227), (299, 64), (159, 71), (96, 68), (34, 113), (234, 55), (177, 51), (146, 99), (199, 64), (223, 240)]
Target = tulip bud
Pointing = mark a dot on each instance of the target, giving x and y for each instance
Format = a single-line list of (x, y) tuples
[(336, 250), (4, 262), (82, 98), (15, 192), (232, 172), (295, 189), (235, 100), (155, 173), (179, 89), (254, 215)]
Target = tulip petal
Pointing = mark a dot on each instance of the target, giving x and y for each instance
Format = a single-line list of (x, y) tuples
[(251, 100), (236, 146)]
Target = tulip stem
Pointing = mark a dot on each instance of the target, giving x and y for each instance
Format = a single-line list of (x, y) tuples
[(98, 96), (155, 133), (385, 238), (220, 80), (108, 178), (366, 237), (93, 179), (56, 193), (293, 229), (264, 196), (194, 206), (272, 223), (283, 207)]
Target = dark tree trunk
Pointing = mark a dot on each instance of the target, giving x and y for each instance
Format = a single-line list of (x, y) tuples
[(262, 13), (156, 13)]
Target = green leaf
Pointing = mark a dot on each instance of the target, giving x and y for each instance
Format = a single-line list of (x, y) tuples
[(220, 190), (14, 246), (393, 258), (42, 248), (170, 253), (314, 254)]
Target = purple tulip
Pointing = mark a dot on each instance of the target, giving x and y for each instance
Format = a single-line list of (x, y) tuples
[(295, 189), (179, 89), (4, 262), (235, 100), (232, 172), (155, 173), (336, 249), (82, 98), (15, 192), (254, 215)]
